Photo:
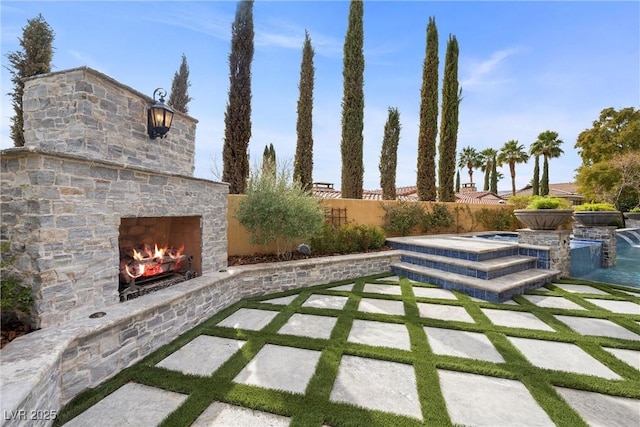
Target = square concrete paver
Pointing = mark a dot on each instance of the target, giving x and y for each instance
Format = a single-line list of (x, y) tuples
[(396, 279), (515, 319), (281, 300), (382, 306), (471, 345), (597, 327), (622, 307), (348, 288), (444, 312), (202, 356), (476, 400), (630, 357), (377, 384), (552, 302), (223, 414), (280, 368), (249, 318), (421, 292), (308, 325), (561, 356), (130, 405), (326, 301), (583, 289), (380, 334), (601, 410), (382, 289)]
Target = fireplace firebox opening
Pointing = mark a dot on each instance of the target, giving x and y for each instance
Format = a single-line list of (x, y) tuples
[(157, 252)]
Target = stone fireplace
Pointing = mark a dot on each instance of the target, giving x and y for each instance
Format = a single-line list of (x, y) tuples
[(89, 186)]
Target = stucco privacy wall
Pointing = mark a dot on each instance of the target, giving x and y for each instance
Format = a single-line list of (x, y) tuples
[(65, 192), (366, 212), (87, 113), (43, 370)]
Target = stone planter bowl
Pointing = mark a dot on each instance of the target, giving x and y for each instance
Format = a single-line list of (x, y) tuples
[(632, 215), (543, 219), (596, 218)]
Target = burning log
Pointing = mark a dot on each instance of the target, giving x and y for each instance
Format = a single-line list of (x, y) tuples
[(147, 263)]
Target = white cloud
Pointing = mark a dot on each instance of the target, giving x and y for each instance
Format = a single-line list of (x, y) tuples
[(483, 73)]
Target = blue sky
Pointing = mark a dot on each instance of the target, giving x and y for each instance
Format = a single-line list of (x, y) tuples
[(524, 67)]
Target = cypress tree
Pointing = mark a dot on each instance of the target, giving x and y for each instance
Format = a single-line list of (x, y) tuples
[(426, 180), (353, 105), (237, 117), (389, 155), (449, 123), (494, 176), (34, 58), (303, 164), (458, 181), (535, 182), (269, 164), (179, 97)]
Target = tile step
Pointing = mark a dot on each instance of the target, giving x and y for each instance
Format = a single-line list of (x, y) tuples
[(487, 269), (496, 290)]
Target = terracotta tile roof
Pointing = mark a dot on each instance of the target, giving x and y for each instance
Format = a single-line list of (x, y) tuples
[(410, 194), (565, 189)]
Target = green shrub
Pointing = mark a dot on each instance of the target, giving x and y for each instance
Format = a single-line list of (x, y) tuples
[(595, 207), (347, 238), (438, 219), (403, 218), (547, 202), (278, 210), (519, 202), (636, 209), (496, 219), (13, 296)]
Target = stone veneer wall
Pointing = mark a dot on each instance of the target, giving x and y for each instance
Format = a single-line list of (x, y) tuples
[(62, 214), (558, 242), (87, 113), (606, 235), (46, 369)]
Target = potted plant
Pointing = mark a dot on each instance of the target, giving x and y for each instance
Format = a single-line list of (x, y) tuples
[(633, 214), (596, 214), (544, 213)]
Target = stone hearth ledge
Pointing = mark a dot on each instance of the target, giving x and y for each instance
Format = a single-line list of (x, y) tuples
[(44, 370)]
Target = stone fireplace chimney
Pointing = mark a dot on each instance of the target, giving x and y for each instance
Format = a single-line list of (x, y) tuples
[(87, 165)]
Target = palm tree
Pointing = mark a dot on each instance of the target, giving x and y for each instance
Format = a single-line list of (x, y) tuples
[(548, 145), (486, 157), (511, 153), (469, 158)]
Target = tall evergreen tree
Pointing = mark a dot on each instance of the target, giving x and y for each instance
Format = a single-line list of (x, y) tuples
[(269, 164), (535, 181), (493, 187), (548, 145), (426, 180), (353, 105), (486, 157), (449, 123), (389, 155), (458, 181), (179, 97), (303, 164), (237, 118), (34, 58)]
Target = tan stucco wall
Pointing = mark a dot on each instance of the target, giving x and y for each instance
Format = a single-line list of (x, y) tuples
[(369, 212)]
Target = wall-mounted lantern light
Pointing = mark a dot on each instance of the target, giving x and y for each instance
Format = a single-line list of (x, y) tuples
[(160, 116)]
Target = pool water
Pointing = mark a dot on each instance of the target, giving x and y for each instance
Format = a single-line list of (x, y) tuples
[(586, 255), (626, 271)]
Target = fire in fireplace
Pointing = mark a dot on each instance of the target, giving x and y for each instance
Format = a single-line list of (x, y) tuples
[(157, 252)]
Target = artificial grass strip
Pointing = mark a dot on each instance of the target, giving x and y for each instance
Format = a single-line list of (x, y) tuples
[(314, 407)]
